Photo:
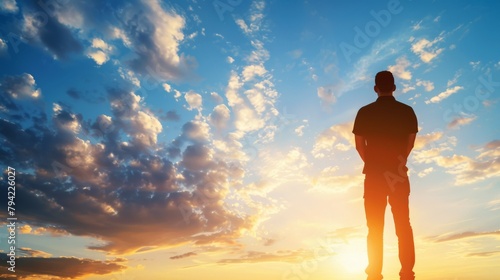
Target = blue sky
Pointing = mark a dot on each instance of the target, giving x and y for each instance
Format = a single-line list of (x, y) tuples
[(214, 137)]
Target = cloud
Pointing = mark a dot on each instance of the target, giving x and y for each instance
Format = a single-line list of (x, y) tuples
[(326, 95), (329, 140), (230, 60), (166, 87), (151, 32), (194, 100), (462, 235), (361, 72), (454, 80), (52, 34), (254, 23), (182, 256), (220, 116), (253, 70), (28, 252), (399, 69), (290, 256), (9, 6), (300, 130), (467, 170), (428, 85), (216, 97), (3, 46), (424, 140), (329, 181), (19, 87), (460, 121), (53, 231), (483, 254), (425, 172), (64, 267), (122, 179), (156, 39), (445, 94), (99, 51), (426, 49)]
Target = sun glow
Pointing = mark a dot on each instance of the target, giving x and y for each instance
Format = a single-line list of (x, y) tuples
[(353, 258)]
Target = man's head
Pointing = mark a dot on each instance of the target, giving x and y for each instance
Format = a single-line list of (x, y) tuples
[(384, 83)]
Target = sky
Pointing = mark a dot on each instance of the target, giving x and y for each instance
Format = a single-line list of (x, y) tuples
[(184, 139)]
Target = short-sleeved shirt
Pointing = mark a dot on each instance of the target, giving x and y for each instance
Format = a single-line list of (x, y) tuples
[(386, 125)]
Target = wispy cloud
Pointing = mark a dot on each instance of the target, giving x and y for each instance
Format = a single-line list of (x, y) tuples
[(428, 50), (445, 94), (400, 68), (460, 121), (336, 137), (64, 267), (484, 254), (462, 235)]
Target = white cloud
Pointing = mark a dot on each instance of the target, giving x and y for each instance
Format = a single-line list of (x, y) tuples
[(300, 130), (328, 181), (99, 51), (250, 71), (3, 45), (241, 23), (193, 99), (98, 56), (454, 80), (426, 49), (424, 140), (417, 26), (425, 172), (177, 94), (117, 33), (220, 116), (130, 76), (9, 6), (475, 64), (407, 88), (100, 44), (166, 87), (460, 121), (428, 85), (326, 95), (327, 141), (18, 87), (444, 94), (399, 69)]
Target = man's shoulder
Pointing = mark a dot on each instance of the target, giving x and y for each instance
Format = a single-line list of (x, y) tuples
[(368, 106)]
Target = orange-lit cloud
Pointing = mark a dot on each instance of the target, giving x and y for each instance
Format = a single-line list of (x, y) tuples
[(62, 267)]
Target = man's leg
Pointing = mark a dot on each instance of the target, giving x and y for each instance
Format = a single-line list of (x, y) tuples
[(400, 210), (375, 203)]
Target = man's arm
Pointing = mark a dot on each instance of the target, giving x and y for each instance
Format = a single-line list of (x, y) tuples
[(360, 146), (411, 143)]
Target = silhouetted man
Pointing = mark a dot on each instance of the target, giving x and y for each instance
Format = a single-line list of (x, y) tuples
[(385, 132)]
